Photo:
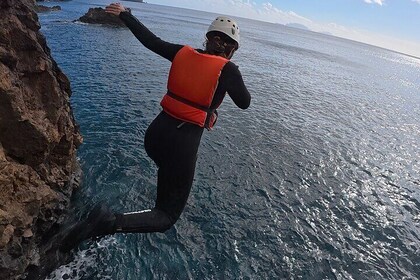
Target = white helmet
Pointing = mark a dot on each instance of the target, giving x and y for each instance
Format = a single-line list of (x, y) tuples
[(227, 26)]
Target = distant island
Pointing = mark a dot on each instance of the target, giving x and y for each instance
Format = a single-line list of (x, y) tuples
[(297, 25), (43, 9), (138, 1), (52, 0), (327, 33), (99, 16), (303, 27)]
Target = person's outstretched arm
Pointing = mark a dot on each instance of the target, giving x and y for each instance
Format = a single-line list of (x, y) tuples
[(143, 34)]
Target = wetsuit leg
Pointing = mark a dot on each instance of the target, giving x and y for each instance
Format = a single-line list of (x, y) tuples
[(174, 150), (174, 186), (153, 220)]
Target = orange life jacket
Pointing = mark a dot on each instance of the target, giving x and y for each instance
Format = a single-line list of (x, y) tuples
[(192, 82)]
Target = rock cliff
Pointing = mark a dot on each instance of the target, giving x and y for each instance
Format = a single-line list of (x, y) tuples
[(38, 139)]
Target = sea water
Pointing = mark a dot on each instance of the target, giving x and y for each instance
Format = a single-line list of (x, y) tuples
[(318, 179)]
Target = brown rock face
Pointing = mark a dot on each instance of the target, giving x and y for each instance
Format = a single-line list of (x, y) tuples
[(38, 139)]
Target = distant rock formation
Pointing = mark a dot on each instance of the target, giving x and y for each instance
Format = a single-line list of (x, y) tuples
[(43, 9), (38, 140), (99, 16), (297, 25), (327, 33)]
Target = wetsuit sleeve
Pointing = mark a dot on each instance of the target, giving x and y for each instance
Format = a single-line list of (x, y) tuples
[(148, 39), (231, 80)]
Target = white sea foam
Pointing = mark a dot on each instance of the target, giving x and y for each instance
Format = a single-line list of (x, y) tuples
[(83, 260)]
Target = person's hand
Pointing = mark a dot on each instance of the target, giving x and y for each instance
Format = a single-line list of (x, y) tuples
[(115, 9)]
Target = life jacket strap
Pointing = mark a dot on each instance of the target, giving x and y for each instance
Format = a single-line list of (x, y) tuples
[(188, 102), (211, 113)]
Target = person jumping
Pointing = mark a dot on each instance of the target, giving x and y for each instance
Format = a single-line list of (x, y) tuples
[(197, 84)]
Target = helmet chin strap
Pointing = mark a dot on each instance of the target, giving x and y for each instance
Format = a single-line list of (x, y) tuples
[(231, 54), (222, 54)]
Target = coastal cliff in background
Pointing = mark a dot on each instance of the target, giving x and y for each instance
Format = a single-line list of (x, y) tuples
[(38, 140)]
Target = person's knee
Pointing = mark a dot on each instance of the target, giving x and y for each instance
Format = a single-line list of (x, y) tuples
[(166, 227), (168, 223)]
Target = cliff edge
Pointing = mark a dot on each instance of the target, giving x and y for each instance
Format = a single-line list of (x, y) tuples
[(38, 139)]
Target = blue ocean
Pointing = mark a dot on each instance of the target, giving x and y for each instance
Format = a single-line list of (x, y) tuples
[(318, 179)]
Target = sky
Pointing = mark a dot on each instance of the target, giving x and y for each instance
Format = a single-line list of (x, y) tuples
[(391, 24)]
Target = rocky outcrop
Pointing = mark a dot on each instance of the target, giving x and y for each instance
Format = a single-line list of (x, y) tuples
[(99, 16), (43, 9), (38, 139)]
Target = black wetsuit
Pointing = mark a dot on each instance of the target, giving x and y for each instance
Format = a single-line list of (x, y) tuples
[(172, 146)]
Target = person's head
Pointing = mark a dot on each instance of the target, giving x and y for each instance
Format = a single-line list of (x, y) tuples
[(222, 37)]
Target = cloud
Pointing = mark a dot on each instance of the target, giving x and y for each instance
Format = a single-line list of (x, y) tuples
[(269, 13), (241, 8), (379, 2)]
